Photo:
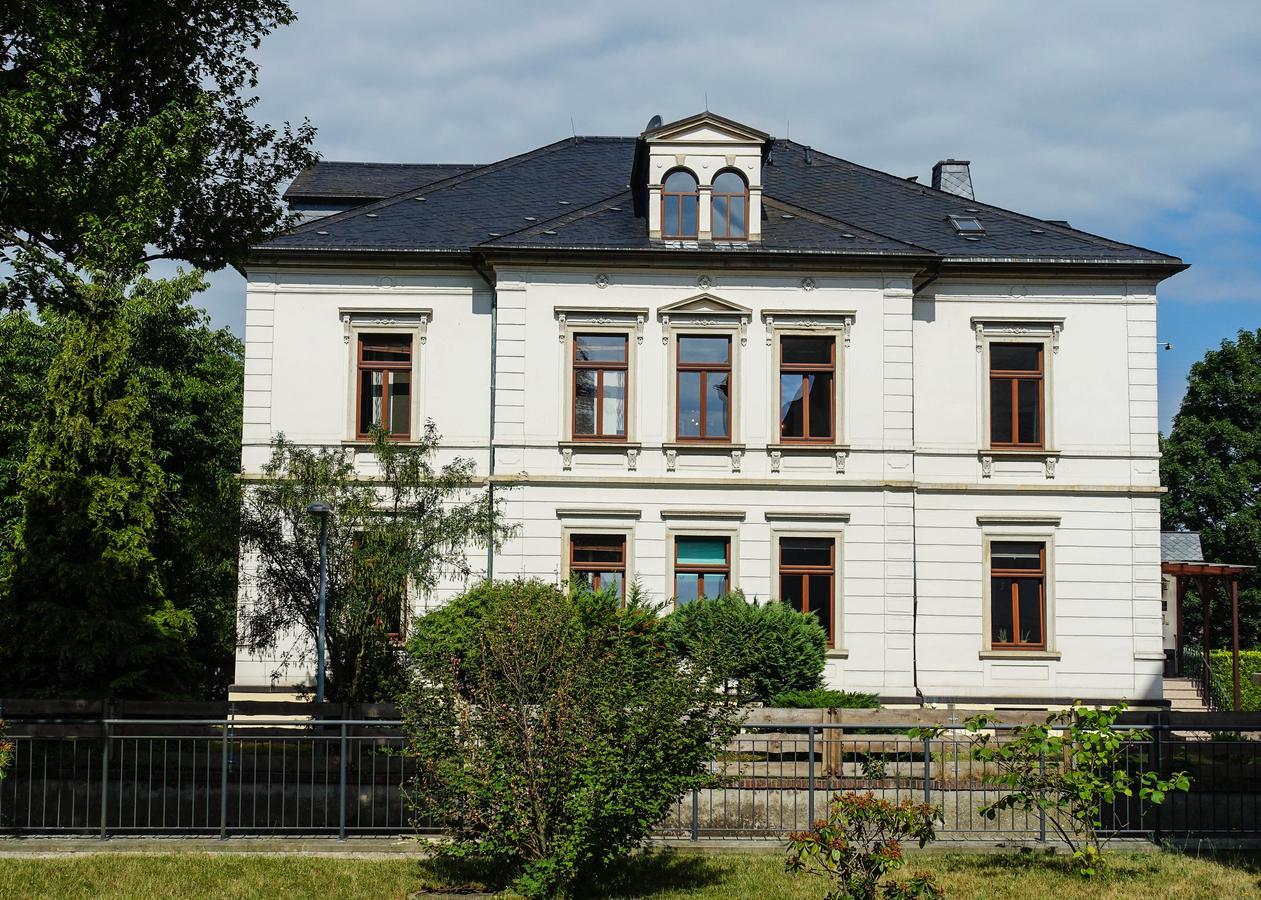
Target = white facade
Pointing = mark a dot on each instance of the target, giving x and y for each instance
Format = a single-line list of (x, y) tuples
[(909, 489)]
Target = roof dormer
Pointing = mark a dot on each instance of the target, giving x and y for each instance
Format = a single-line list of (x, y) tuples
[(704, 179)]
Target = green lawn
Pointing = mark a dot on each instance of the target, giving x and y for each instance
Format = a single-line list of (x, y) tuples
[(678, 875)]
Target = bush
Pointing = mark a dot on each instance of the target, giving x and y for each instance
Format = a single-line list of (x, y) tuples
[(6, 751), (552, 731), (824, 699), (1223, 684), (767, 649), (860, 842)]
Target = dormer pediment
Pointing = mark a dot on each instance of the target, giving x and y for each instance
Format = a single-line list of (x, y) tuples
[(705, 128), (704, 305)]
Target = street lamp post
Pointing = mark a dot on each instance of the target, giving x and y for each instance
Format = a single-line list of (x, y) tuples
[(321, 509)]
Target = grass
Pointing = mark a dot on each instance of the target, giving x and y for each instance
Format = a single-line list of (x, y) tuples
[(1136, 876)]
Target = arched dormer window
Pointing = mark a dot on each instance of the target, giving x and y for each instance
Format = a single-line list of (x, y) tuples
[(730, 207), (680, 204)]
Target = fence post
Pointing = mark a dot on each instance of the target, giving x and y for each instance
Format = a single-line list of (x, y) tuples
[(223, 785), (1041, 808), (928, 772), (1159, 762), (810, 779), (105, 776), (341, 793), (696, 814)]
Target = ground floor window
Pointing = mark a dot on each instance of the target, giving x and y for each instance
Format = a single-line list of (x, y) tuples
[(807, 578), (702, 567), (599, 560), (1018, 595)]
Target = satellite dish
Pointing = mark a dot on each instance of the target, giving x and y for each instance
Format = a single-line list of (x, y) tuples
[(654, 122)]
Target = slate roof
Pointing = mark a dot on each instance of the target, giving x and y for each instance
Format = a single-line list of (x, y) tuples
[(575, 195), (1181, 546)]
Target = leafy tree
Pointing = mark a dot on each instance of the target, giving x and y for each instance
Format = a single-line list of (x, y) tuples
[(398, 533), (767, 649), (1212, 467), (26, 347), (126, 136), (556, 748)]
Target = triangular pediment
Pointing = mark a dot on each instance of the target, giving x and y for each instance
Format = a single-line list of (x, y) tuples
[(706, 128), (704, 304)]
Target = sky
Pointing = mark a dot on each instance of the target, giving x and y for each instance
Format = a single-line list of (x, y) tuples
[(1140, 121)]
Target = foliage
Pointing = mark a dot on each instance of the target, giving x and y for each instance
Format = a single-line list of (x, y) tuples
[(26, 346), (919, 885), (6, 752), (556, 748), (1073, 768), (388, 536), (767, 649), (860, 842), (126, 136), (82, 569), (1211, 464), (1220, 673), (821, 698)]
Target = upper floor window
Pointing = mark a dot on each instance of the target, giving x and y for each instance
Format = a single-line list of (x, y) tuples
[(730, 206), (703, 388), (1018, 595), (385, 385), (807, 576), (680, 204), (1016, 395), (600, 370), (599, 560), (807, 388), (702, 568)]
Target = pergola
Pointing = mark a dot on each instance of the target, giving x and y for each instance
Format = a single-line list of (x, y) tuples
[(1184, 571)]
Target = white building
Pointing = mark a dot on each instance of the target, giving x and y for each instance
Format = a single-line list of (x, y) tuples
[(710, 357)]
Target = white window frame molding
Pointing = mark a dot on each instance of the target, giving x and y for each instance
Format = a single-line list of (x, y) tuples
[(358, 321), (721, 530), (628, 321), (837, 324), (1041, 330), (1016, 527), (705, 314), (835, 531)]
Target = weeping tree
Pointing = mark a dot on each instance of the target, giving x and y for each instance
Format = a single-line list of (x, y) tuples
[(391, 537)]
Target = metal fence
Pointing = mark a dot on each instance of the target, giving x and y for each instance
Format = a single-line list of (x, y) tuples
[(346, 777)]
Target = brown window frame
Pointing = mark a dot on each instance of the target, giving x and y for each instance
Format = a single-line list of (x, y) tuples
[(727, 234), (1014, 377), (698, 568), (677, 233), (576, 540), (1016, 575), (808, 572), (807, 369), (600, 367), (387, 368), (704, 368)]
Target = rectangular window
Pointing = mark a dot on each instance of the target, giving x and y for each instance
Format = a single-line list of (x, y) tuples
[(379, 580), (599, 560), (807, 388), (385, 385), (807, 578), (702, 568), (1018, 595), (600, 370), (703, 388), (1016, 380)]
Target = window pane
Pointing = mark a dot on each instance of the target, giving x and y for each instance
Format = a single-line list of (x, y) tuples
[(713, 585), (1028, 416), (821, 405), (1002, 626), (584, 400), (1000, 411), (611, 581), (729, 183), (700, 551), (792, 419), (614, 422), (686, 586), (600, 347), (693, 349), (717, 402), (400, 403), (738, 218), (1015, 357), (720, 216), (819, 591), (1016, 555), (386, 348), (680, 182), (689, 216), (1029, 602), (796, 350), (689, 404), (670, 218), (598, 548), (371, 385), (790, 591), (805, 552)]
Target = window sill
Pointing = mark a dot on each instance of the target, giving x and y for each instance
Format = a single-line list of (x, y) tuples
[(1020, 654), (837, 653), (806, 447), (725, 446), (1017, 452), (366, 443), (598, 445)]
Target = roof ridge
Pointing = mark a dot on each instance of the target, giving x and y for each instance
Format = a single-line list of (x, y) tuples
[(832, 222), (368, 162), (1024, 217), (432, 187), (565, 218)]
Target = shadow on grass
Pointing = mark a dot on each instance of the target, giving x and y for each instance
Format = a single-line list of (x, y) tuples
[(453, 875), (1247, 861), (1017, 865), (650, 873)]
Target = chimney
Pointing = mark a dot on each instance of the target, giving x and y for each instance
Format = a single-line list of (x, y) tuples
[(954, 176)]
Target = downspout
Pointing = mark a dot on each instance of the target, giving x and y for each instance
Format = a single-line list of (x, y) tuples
[(479, 265), (933, 276)]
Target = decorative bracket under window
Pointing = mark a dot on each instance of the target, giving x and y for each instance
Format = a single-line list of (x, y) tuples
[(987, 466), (1050, 466), (737, 456), (842, 456), (777, 458), (672, 460), (567, 458), (632, 458)]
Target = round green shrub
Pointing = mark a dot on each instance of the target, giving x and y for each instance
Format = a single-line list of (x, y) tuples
[(824, 699)]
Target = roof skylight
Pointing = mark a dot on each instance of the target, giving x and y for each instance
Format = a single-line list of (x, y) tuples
[(966, 225)]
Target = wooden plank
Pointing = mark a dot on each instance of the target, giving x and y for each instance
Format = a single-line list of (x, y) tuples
[(769, 715)]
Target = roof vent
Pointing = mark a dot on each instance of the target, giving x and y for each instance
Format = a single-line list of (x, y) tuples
[(954, 176), (1062, 222)]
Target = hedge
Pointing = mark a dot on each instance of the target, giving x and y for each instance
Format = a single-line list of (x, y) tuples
[(824, 699), (1223, 684)]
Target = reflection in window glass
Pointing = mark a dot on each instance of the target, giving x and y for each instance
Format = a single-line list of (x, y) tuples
[(703, 388), (599, 386)]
